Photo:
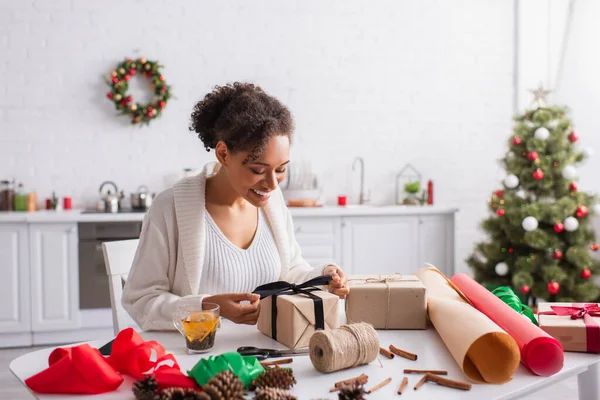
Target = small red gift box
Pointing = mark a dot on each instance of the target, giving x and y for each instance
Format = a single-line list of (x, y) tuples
[(575, 325)]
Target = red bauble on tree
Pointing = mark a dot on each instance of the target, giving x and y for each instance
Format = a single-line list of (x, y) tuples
[(500, 212), (573, 186), (517, 141), (532, 156), (109, 95), (559, 227), (595, 246), (499, 193), (553, 287), (586, 273), (573, 137), (538, 174), (525, 289), (557, 254), (582, 212)]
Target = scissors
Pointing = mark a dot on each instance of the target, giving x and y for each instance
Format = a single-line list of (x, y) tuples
[(263, 354)]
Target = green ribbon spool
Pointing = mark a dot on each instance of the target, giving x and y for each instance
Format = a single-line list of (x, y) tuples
[(246, 368), (509, 297)]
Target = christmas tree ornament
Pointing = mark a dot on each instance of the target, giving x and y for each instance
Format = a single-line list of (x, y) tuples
[(224, 386), (559, 227), (557, 254), (573, 137), (529, 223), (511, 181), (538, 174), (588, 152), (573, 186), (553, 288), (569, 172), (499, 193), (501, 269), (542, 133), (595, 247), (581, 212), (517, 141), (539, 96), (586, 273), (141, 113), (524, 289), (500, 212), (510, 155), (146, 388), (571, 224), (532, 156), (352, 391), (274, 394), (281, 378)]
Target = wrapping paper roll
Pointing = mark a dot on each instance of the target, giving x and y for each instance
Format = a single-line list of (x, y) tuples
[(540, 352), (484, 352)]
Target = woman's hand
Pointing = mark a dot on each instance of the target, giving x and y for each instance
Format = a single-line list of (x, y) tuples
[(339, 283), (232, 309)]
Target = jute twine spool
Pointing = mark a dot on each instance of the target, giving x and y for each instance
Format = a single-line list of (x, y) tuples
[(346, 347)]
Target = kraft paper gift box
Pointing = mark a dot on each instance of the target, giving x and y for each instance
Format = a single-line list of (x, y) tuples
[(387, 301), (575, 325), (295, 317)]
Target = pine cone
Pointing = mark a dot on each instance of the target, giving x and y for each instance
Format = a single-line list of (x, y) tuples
[(274, 394), (146, 388), (182, 394), (224, 386), (352, 391), (281, 378)]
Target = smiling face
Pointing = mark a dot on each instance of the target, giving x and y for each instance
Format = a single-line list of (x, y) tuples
[(255, 179)]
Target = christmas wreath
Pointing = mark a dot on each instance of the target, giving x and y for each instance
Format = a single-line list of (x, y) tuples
[(118, 82)]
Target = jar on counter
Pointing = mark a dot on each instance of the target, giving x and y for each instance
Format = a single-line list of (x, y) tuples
[(7, 191), (20, 199)]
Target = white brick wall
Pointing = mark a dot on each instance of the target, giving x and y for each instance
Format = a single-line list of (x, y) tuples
[(426, 82)]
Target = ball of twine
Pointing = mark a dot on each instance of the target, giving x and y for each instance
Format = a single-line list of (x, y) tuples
[(346, 347)]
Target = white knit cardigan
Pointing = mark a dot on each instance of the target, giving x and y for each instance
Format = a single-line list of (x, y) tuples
[(170, 255)]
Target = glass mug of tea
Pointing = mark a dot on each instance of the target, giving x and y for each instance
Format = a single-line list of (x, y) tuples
[(198, 322)]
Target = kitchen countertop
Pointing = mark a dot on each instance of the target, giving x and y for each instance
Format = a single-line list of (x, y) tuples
[(324, 211)]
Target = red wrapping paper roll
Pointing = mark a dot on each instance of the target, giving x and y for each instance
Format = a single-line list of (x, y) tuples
[(540, 352)]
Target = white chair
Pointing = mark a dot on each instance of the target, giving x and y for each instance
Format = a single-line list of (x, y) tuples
[(118, 258)]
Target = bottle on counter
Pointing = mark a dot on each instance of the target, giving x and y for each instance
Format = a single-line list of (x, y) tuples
[(20, 199), (32, 201), (7, 191), (430, 192)]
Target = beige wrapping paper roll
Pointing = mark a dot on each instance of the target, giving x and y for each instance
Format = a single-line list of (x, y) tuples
[(484, 352)]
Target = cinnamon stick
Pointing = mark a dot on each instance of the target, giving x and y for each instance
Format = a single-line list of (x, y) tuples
[(424, 371), (403, 353), (360, 380), (277, 362), (386, 353), (380, 385), (421, 382), (403, 385), (447, 382)]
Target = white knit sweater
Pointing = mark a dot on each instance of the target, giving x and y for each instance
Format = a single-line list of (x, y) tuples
[(170, 256)]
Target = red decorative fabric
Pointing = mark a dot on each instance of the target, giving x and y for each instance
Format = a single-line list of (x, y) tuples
[(83, 370)]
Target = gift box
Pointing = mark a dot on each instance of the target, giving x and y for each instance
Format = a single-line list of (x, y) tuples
[(575, 325), (291, 313), (387, 301)]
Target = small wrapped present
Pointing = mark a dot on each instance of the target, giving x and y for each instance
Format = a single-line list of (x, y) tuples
[(575, 325), (291, 313), (387, 301)]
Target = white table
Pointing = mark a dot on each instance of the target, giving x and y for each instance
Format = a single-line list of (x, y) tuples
[(314, 385)]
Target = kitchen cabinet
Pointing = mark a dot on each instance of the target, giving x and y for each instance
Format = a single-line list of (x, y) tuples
[(15, 316), (54, 276), (380, 245)]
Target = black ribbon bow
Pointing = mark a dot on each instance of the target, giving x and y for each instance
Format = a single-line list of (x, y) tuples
[(281, 288)]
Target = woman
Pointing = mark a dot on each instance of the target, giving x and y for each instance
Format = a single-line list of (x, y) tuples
[(224, 232)]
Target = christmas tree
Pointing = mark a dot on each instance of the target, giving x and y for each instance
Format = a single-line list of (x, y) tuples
[(539, 236)]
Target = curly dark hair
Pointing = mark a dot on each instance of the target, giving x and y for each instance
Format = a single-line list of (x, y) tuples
[(243, 116)]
